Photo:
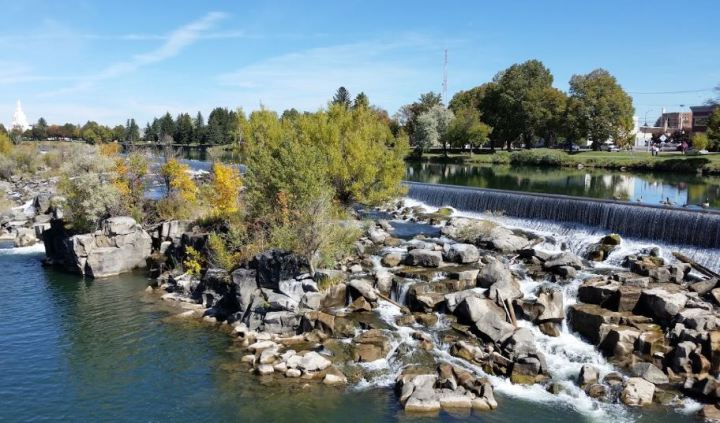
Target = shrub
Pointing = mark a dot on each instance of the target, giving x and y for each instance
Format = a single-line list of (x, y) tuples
[(6, 145), (219, 255), (314, 233), (700, 141), (7, 167), (26, 158), (193, 261), (109, 149), (89, 199)]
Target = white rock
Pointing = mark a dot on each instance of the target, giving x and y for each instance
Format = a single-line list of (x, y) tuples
[(265, 369), (313, 361), (262, 345)]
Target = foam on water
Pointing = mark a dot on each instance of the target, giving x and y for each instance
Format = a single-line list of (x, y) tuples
[(578, 238), (564, 354)]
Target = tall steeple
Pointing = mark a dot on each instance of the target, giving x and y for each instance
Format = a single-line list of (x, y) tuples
[(19, 118)]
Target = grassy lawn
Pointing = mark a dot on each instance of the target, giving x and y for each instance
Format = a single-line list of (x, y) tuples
[(630, 160)]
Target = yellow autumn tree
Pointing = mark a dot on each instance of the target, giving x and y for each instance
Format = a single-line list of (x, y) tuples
[(180, 200), (178, 181), (129, 178), (224, 189)]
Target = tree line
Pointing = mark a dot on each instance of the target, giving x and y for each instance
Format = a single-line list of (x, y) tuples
[(520, 107)]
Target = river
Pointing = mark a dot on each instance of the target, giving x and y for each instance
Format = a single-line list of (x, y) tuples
[(75, 349), (648, 188)]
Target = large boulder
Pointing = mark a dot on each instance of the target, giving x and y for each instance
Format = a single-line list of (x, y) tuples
[(501, 284), (661, 304), (424, 258), (638, 392), (462, 253), (486, 318), (272, 266), (552, 301), (246, 288), (25, 237), (564, 259), (119, 246), (649, 372)]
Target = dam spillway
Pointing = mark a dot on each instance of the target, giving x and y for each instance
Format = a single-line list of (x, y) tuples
[(699, 228)]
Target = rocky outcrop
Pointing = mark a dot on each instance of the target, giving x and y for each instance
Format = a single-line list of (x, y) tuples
[(120, 245)]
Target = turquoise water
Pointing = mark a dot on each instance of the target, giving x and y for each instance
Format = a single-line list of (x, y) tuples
[(74, 349), (648, 188)]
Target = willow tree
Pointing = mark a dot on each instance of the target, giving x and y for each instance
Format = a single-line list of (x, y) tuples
[(349, 151)]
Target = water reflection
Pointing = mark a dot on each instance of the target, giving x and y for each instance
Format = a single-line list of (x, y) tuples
[(649, 188)]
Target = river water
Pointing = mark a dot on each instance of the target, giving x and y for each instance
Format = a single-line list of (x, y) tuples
[(73, 349), (648, 188)]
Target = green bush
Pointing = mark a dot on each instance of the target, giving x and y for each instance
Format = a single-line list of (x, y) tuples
[(7, 167)]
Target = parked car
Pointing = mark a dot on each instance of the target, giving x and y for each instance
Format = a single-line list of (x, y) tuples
[(670, 146), (609, 147)]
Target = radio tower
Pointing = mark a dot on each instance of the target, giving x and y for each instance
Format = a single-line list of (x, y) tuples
[(444, 85)]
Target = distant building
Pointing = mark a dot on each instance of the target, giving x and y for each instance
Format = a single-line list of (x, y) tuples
[(19, 119), (675, 121), (700, 116)]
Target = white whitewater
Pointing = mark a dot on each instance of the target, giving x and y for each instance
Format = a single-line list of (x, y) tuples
[(564, 354)]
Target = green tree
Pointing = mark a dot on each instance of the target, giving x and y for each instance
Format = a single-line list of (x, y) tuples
[(132, 131), (599, 107), (290, 114), (183, 129), (713, 129), (166, 126), (361, 101), (470, 99), (342, 97), (515, 104), (217, 126), (40, 129), (199, 129), (2, 129), (468, 129), (350, 152), (408, 114), (118, 133), (432, 129)]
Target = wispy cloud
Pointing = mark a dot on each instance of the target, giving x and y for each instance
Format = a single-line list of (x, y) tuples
[(19, 73), (384, 69), (175, 42)]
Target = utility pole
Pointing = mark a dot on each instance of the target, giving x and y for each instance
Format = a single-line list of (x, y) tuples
[(444, 85)]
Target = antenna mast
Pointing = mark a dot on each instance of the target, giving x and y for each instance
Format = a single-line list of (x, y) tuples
[(444, 85)]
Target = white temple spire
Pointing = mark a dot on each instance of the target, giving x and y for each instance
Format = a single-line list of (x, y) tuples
[(19, 118)]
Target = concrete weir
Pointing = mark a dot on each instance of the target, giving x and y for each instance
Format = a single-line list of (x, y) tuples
[(699, 228)]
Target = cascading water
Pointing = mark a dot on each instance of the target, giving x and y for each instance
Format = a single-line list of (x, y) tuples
[(565, 354), (655, 223)]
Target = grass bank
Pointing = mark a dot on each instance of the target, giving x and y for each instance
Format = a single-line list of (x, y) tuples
[(638, 161)]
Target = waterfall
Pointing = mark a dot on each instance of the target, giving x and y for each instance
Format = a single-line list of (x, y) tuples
[(699, 228)]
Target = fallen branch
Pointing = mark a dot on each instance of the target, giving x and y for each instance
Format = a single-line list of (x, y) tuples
[(697, 266), (396, 304)]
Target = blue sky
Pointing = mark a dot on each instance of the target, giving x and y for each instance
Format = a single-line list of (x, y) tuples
[(107, 61)]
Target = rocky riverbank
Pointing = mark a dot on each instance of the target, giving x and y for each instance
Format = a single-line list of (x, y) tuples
[(32, 204), (449, 307)]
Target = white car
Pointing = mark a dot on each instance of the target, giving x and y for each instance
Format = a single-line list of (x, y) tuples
[(609, 147)]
